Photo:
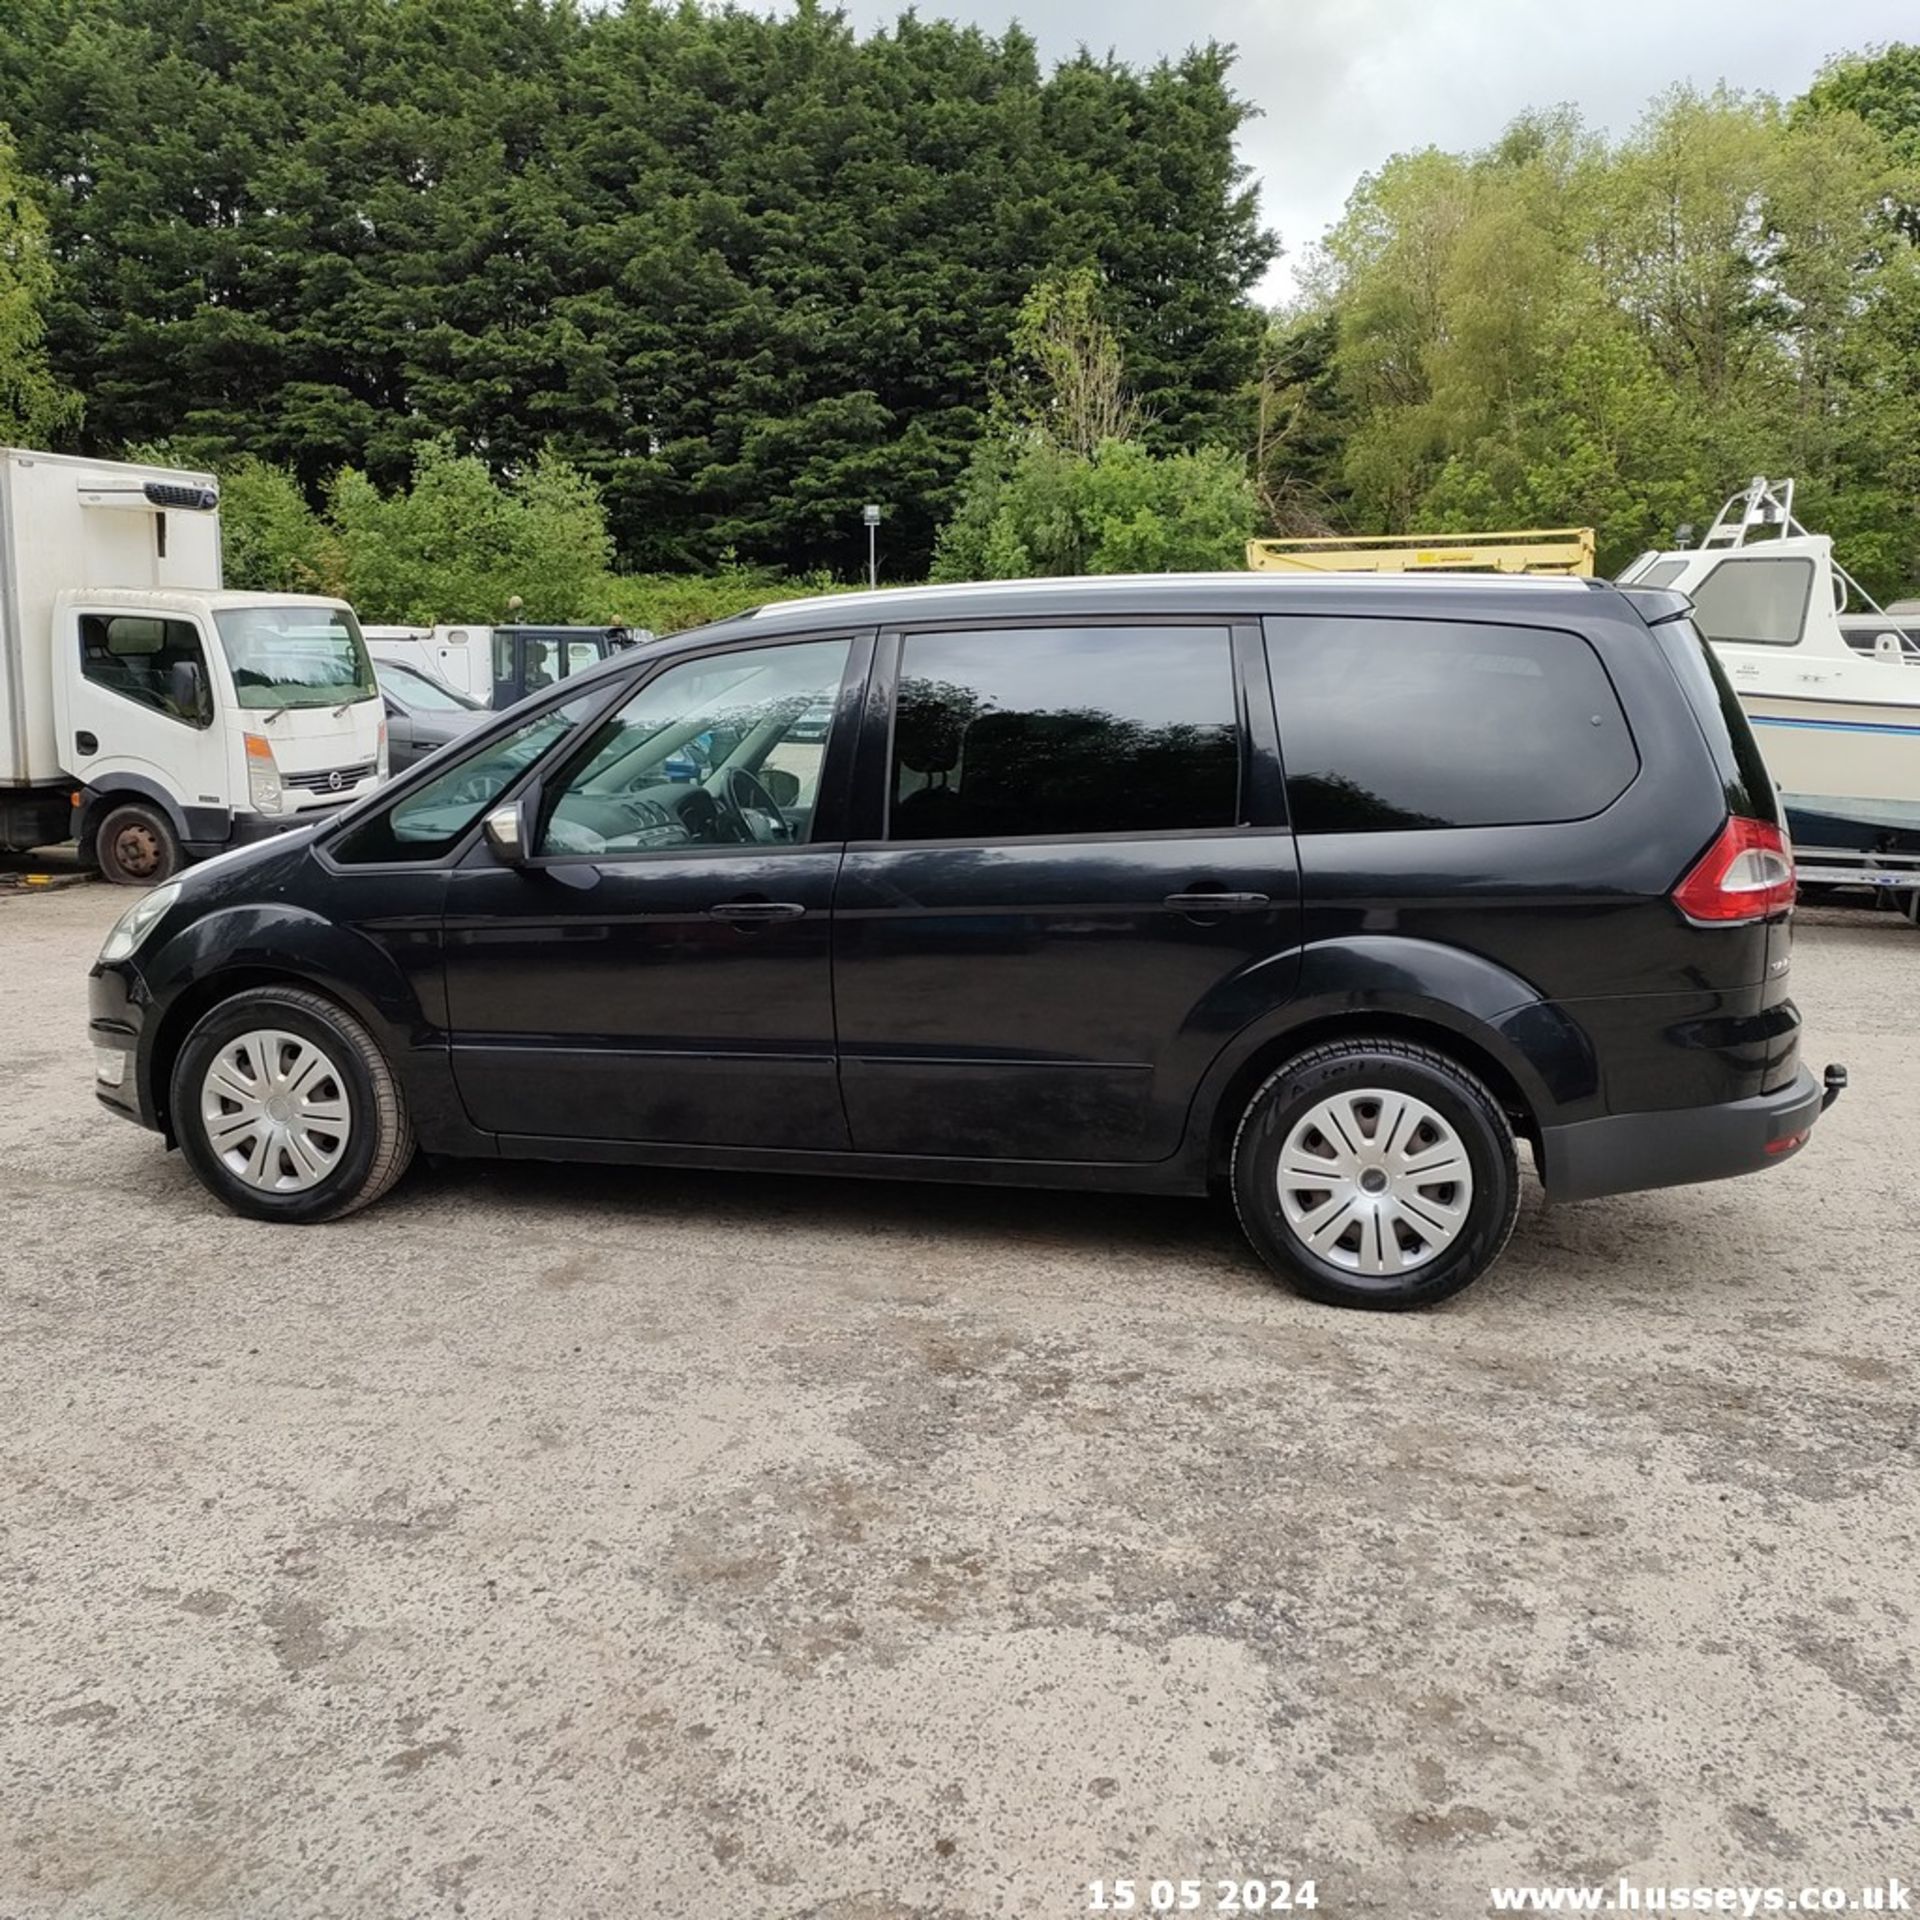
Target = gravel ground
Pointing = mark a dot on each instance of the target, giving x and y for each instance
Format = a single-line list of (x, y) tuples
[(595, 1542)]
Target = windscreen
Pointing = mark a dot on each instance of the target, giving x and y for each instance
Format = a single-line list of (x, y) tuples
[(423, 693), (295, 656)]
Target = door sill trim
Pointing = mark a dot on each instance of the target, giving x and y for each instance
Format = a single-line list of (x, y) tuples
[(1174, 1175)]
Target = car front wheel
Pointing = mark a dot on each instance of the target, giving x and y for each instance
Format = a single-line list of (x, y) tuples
[(1375, 1173), (287, 1109)]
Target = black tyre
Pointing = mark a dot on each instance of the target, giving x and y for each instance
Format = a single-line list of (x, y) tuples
[(286, 1108), (136, 846), (1375, 1173)]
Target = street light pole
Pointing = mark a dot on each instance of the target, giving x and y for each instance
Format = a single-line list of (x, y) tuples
[(871, 515)]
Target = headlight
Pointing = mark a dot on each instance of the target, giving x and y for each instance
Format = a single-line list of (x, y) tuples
[(138, 921), (263, 775)]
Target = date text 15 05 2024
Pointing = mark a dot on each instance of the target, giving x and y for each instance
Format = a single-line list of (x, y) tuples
[(1202, 1896)]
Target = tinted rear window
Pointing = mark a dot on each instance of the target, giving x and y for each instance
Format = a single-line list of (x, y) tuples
[(1392, 724), (1736, 753), (1063, 731)]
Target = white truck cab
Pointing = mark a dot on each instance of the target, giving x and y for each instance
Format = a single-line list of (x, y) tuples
[(144, 712)]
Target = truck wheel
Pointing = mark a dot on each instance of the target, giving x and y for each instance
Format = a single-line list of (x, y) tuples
[(286, 1108), (136, 846), (1375, 1173)]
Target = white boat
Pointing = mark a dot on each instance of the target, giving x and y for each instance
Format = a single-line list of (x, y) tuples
[(1830, 680)]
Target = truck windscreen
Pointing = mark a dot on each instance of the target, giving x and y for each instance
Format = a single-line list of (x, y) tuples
[(295, 656)]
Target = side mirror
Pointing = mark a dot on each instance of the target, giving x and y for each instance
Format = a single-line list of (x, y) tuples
[(187, 690), (506, 831)]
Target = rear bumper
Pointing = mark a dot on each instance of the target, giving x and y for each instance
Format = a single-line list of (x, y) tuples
[(1627, 1152)]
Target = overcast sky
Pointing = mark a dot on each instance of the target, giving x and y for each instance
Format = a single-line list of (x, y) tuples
[(1344, 83)]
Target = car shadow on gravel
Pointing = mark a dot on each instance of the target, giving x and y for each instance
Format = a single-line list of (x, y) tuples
[(1198, 1235), (828, 1205)]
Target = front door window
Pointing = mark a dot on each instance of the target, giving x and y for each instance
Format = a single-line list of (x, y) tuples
[(722, 751), (158, 664), (428, 821)]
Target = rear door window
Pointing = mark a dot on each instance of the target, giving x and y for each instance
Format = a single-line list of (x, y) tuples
[(1053, 732), (1394, 724)]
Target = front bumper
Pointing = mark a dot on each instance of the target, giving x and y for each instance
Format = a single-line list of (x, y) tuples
[(117, 1006), (1629, 1152), (250, 829)]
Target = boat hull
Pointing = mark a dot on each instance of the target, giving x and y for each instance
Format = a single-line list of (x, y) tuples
[(1848, 770)]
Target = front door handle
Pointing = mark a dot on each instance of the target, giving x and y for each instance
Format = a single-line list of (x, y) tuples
[(1208, 901), (756, 911), (86, 745)]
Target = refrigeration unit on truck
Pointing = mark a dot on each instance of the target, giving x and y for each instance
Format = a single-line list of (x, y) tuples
[(144, 712)]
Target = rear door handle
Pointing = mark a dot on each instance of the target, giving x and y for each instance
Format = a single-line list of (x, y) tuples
[(756, 910), (1208, 902)]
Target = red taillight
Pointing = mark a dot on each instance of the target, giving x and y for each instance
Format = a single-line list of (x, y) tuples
[(1746, 875)]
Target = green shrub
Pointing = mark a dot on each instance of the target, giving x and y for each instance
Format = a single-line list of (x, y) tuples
[(1043, 509), (672, 602)]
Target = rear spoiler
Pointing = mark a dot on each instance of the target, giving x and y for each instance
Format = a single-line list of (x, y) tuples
[(1657, 604)]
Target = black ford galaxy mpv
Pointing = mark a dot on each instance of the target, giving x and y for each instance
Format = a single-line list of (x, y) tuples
[(1320, 891)]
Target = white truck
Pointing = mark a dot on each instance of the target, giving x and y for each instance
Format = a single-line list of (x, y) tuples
[(499, 665), (145, 713)]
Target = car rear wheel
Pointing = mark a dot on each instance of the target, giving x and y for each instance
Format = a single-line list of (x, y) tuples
[(1375, 1173), (286, 1108), (136, 846)]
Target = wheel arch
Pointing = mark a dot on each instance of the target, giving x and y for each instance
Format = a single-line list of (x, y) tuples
[(1531, 1055), (200, 996), (125, 789), (1229, 1103)]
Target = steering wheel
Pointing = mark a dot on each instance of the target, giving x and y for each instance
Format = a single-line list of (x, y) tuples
[(476, 790), (750, 810)]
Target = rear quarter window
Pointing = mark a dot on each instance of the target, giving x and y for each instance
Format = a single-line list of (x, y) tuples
[(1388, 725), (1729, 735)]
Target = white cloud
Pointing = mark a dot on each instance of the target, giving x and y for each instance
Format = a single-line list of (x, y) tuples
[(1342, 84)]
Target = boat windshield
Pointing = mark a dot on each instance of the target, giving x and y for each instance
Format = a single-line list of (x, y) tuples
[(296, 656), (1755, 599)]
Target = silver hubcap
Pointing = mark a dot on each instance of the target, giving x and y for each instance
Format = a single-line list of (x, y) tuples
[(1375, 1182), (275, 1111)]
